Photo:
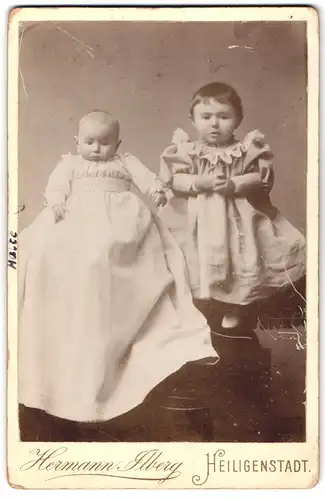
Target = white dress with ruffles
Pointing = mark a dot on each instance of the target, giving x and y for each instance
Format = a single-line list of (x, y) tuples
[(239, 248), (105, 309)]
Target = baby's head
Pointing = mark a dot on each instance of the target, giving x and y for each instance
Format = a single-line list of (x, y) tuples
[(216, 111), (98, 136)]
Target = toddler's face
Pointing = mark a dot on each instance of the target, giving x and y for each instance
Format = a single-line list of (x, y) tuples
[(97, 141), (214, 121)]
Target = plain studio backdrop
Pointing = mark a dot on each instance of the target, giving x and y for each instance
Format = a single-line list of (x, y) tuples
[(145, 74)]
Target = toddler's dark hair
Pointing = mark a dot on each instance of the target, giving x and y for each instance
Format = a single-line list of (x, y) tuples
[(221, 92)]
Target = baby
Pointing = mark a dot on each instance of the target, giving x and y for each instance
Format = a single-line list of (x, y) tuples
[(106, 313), (97, 141)]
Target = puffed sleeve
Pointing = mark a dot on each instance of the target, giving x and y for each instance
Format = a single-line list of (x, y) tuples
[(176, 166), (258, 166), (59, 184), (145, 180)]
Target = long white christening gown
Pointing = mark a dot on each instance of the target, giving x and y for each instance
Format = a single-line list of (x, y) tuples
[(105, 309)]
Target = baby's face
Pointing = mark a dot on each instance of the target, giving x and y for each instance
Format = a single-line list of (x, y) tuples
[(214, 121), (97, 141)]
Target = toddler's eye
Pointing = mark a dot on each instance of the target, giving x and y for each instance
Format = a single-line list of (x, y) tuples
[(206, 117), (89, 142)]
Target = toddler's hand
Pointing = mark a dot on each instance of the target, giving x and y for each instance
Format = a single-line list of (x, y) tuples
[(208, 183), (226, 188), (59, 211), (159, 199)]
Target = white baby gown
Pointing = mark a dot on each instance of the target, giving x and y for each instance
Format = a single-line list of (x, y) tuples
[(105, 309)]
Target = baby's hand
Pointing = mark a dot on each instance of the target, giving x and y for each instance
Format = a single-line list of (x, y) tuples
[(59, 211), (159, 199), (208, 183)]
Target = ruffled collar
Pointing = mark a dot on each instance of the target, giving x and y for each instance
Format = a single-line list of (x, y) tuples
[(214, 154)]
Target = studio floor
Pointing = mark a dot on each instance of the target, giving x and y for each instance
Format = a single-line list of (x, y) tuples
[(248, 396)]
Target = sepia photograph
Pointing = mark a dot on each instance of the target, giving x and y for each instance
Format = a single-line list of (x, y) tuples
[(160, 169)]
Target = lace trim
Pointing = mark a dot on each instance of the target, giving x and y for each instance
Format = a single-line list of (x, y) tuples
[(215, 154), (89, 169)]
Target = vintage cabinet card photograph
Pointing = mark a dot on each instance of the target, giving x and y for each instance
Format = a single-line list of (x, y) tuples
[(163, 324)]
